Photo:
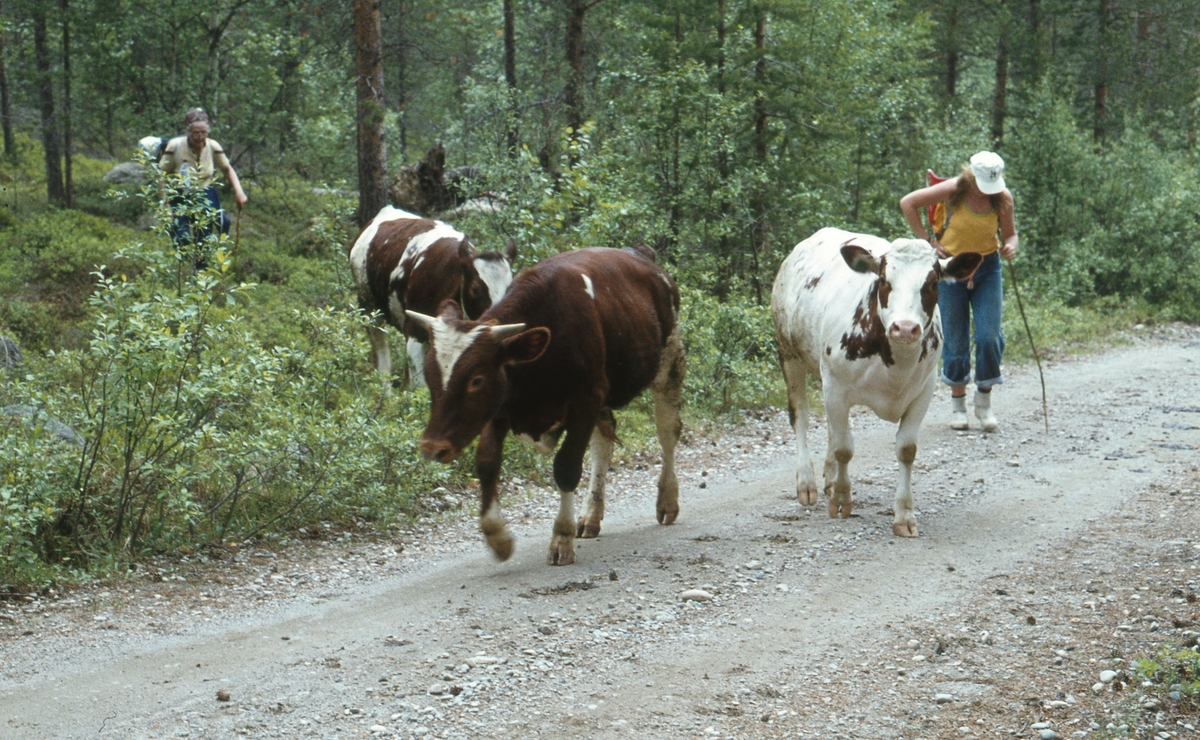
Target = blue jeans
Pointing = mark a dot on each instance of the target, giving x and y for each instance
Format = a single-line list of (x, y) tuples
[(182, 229), (957, 302)]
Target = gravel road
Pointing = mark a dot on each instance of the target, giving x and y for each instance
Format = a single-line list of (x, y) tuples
[(1042, 561)]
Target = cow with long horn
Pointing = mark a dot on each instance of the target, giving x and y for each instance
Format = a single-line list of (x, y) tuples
[(576, 336)]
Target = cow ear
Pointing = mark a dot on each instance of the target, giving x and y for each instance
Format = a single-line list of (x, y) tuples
[(961, 266), (449, 309), (859, 259), (466, 251), (510, 252), (525, 347)]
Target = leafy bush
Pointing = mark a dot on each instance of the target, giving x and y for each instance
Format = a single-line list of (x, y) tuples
[(732, 358)]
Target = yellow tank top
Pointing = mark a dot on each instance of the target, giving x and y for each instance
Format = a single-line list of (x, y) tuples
[(970, 231)]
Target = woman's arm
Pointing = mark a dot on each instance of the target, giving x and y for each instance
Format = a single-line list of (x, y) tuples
[(912, 204), (1008, 230), (236, 184)]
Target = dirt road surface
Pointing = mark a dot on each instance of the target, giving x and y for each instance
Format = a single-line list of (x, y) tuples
[(1042, 560)]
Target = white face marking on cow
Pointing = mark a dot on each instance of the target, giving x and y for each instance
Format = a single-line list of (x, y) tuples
[(419, 261), (909, 263), (587, 287), (421, 242), (358, 253), (496, 274), (450, 343)]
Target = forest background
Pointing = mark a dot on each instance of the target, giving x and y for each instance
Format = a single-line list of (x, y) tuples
[(158, 410)]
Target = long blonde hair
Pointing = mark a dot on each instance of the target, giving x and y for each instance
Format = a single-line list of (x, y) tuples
[(999, 203)]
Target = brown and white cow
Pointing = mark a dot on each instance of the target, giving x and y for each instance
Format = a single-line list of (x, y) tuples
[(861, 314), (576, 336), (401, 261)]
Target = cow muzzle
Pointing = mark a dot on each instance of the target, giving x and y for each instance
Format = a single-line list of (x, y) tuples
[(438, 450), (904, 331)]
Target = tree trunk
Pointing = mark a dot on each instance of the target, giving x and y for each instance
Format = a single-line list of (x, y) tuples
[(402, 77), (510, 75), (69, 189), (10, 143), (724, 250), (758, 234), (573, 93), (1101, 102), (372, 143), (1000, 97), (45, 84), (1034, 57), (952, 53)]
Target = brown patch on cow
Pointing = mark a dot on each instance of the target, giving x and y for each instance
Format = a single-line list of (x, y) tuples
[(929, 292), (812, 283), (868, 337), (932, 339), (907, 453), (885, 288)]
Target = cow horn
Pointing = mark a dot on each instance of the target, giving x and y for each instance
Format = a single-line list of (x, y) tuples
[(505, 331), (426, 321)]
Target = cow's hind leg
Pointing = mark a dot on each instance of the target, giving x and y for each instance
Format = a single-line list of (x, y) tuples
[(667, 390), (603, 438), (380, 355), (841, 451), (796, 378)]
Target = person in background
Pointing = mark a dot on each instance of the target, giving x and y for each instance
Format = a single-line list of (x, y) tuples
[(194, 158), (976, 206)]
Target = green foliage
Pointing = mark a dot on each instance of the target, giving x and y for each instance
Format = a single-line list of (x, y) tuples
[(732, 359), (1173, 677)]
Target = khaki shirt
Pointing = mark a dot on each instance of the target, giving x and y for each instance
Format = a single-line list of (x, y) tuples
[(197, 171)]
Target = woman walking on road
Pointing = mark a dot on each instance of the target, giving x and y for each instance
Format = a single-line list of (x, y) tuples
[(975, 206)]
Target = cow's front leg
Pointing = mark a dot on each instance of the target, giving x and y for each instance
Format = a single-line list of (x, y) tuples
[(603, 437), (904, 522), (380, 355), (841, 450), (568, 469), (796, 378), (416, 357), (488, 457)]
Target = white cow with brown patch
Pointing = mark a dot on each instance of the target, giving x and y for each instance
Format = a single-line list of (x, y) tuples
[(861, 314)]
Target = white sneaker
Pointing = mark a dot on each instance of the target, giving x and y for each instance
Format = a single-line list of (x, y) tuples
[(958, 413), (983, 411)]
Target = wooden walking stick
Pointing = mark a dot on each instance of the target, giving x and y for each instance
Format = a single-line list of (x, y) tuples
[(1012, 272), (237, 235)]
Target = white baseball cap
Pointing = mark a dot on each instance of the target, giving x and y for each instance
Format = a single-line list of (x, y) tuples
[(989, 172)]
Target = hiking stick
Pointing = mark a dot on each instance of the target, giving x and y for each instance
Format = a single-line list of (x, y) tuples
[(237, 235), (1012, 272)]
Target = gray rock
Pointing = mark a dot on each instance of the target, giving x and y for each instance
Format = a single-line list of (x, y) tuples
[(37, 417), (10, 353), (943, 698), (1106, 676), (126, 173), (1047, 734)]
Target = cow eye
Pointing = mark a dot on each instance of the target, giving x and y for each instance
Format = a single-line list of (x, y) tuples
[(476, 383)]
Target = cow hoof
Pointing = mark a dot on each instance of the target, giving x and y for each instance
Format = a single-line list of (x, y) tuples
[(839, 509), (900, 529), (807, 495), (667, 515), (587, 531), (502, 546), (561, 553)]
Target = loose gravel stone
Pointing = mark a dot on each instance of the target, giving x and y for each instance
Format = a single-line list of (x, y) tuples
[(1106, 676), (696, 594)]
